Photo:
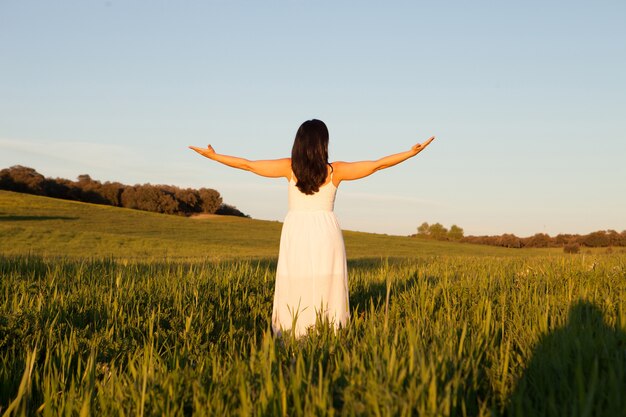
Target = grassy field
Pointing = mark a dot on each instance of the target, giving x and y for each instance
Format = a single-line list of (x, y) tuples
[(52, 227), (89, 326)]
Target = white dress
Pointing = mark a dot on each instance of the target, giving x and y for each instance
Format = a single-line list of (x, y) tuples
[(311, 275)]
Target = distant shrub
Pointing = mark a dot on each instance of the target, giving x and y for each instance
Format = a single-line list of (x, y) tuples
[(166, 199), (22, 180), (571, 248), (210, 200), (597, 239), (538, 240), (422, 230), (509, 240), (438, 232), (228, 210), (455, 232)]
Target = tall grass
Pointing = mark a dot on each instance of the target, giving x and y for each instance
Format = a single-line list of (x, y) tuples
[(433, 336)]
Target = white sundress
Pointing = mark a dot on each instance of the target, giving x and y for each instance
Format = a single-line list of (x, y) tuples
[(311, 275)]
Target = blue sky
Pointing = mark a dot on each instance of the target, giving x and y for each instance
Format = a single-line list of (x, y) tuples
[(527, 100)]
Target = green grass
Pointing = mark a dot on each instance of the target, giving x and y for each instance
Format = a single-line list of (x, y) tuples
[(53, 227), (107, 311), (436, 336)]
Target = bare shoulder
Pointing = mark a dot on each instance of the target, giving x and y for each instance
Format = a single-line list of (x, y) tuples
[(338, 167), (285, 164), (349, 171)]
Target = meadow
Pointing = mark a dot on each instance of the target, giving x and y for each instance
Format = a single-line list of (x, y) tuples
[(172, 317), (51, 227)]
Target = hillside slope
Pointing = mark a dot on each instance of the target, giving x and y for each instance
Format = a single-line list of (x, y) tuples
[(52, 227)]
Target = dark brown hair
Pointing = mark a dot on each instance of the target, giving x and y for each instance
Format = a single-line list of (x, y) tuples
[(309, 156)]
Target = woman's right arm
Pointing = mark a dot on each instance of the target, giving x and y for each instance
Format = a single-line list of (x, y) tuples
[(273, 168), (348, 171)]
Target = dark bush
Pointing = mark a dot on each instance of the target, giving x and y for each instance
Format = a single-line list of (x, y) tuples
[(167, 199), (22, 179), (210, 200), (229, 210), (596, 239), (538, 240), (509, 241), (571, 248)]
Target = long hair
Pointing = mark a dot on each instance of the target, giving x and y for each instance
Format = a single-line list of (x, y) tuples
[(309, 156)]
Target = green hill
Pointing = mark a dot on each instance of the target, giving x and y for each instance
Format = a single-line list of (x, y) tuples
[(50, 227)]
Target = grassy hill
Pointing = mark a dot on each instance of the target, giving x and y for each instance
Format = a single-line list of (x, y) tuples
[(52, 227), (458, 329)]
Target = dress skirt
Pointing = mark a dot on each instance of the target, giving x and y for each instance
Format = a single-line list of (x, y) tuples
[(311, 275)]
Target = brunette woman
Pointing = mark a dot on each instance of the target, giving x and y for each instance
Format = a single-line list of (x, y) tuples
[(311, 275)]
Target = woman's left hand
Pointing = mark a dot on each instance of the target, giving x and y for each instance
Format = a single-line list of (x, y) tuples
[(418, 147), (208, 152)]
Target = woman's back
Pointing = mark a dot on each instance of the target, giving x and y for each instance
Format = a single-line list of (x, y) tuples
[(311, 275), (323, 200)]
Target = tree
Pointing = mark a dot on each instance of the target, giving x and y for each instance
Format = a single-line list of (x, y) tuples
[(596, 239), (90, 191), (211, 200), (112, 193), (509, 241), (189, 200), (6, 181), (437, 231), (167, 199), (563, 239), (23, 179), (538, 240), (455, 233), (58, 188), (422, 230), (150, 198), (84, 179), (614, 237)]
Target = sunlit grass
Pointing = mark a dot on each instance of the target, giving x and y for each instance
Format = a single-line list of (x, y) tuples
[(52, 227), (432, 336), (107, 311)]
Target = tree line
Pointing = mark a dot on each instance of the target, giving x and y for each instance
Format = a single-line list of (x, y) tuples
[(597, 239), (571, 242), (438, 232), (166, 199)]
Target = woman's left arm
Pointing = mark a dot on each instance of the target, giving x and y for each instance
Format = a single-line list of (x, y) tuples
[(348, 171), (272, 168)]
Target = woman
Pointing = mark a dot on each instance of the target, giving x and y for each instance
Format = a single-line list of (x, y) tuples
[(311, 275)]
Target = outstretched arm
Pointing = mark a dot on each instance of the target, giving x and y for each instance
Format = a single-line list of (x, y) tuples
[(272, 168), (347, 171)]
